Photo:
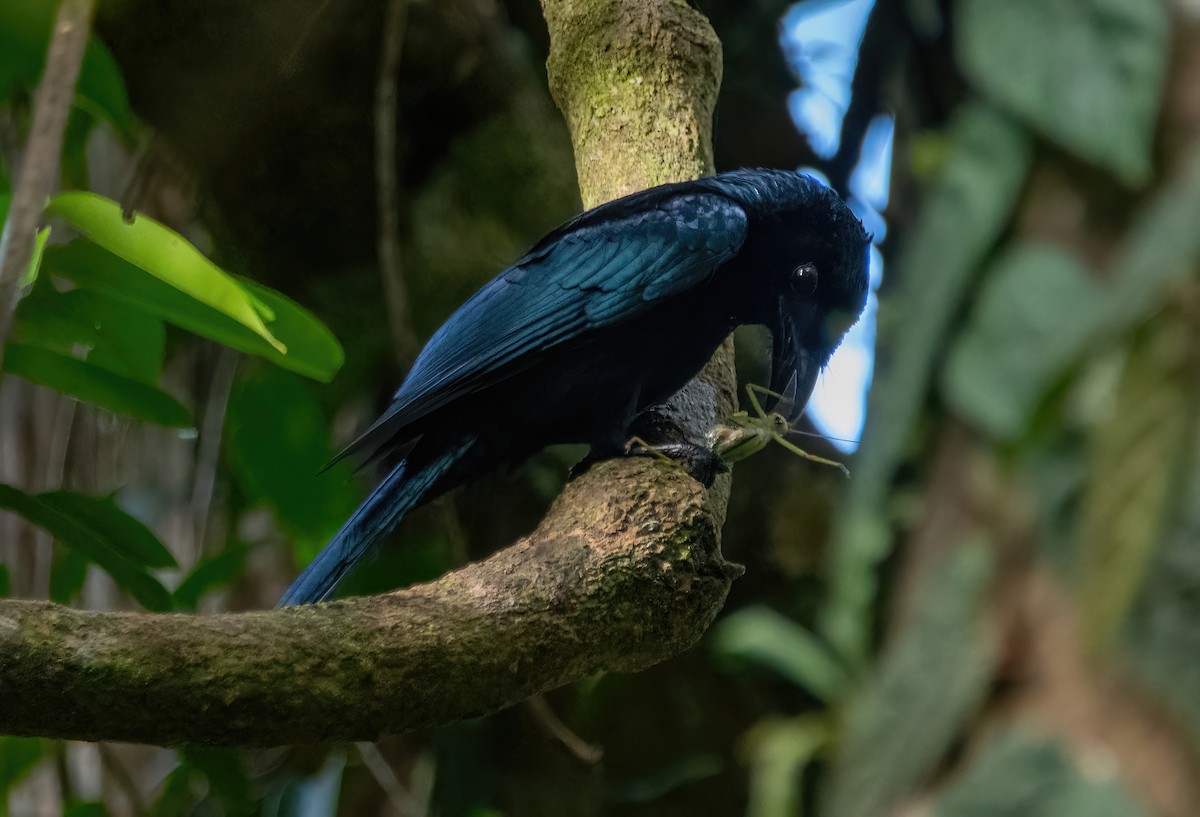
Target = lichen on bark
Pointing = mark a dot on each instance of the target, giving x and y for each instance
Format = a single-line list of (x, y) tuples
[(637, 82)]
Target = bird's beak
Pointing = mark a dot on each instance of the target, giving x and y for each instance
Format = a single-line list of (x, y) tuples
[(794, 367)]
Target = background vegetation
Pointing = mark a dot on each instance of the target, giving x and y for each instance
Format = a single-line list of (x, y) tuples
[(996, 616)]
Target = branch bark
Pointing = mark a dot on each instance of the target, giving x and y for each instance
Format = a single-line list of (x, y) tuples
[(39, 166), (625, 570)]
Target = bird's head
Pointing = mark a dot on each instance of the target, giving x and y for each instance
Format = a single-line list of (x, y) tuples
[(807, 254)]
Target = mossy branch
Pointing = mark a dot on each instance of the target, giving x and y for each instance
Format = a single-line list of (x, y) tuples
[(624, 572)]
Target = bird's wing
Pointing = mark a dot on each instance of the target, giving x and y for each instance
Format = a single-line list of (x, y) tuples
[(600, 269)]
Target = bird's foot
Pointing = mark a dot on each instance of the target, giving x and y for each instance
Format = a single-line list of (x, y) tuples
[(700, 462)]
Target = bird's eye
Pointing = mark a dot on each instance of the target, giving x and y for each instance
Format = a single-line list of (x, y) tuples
[(804, 279)]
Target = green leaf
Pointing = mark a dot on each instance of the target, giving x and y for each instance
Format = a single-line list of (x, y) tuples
[(18, 757), (1086, 73), (930, 681), (85, 808), (35, 258), (68, 572), (25, 30), (1161, 642), (101, 514), (277, 440), (1017, 344), (1139, 454), (24, 34), (227, 778), (111, 334), (1023, 775), (101, 89), (970, 203), (778, 751), (213, 573), (163, 253), (763, 636), (95, 385), (112, 556), (313, 351)]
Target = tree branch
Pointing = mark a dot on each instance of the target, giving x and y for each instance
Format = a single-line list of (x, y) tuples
[(625, 570), (387, 185), (39, 166)]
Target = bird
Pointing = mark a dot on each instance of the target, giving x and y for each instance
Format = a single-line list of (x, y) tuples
[(603, 318)]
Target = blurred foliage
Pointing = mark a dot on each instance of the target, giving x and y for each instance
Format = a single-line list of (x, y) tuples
[(1031, 425), (1019, 774), (277, 441), (924, 688), (1086, 74), (986, 157)]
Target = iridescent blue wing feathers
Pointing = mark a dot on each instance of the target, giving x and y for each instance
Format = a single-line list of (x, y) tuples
[(594, 272)]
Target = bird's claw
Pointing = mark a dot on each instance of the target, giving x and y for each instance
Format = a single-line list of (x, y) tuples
[(699, 461)]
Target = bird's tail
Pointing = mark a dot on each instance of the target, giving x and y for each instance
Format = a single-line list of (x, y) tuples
[(401, 491)]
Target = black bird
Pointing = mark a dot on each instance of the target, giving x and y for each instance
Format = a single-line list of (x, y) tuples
[(606, 316)]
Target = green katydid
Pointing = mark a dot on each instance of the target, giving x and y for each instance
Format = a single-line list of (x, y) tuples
[(745, 435)]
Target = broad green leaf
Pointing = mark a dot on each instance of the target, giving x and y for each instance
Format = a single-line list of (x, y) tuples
[(68, 572), (765, 637), (92, 384), (313, 351), (109, 333), (225, 770), (1016, 344), (25, 30), (73, 162), (110, 555), (928, 683), (967, 207), (777, 752), (1162, 250), (1086, 73), (1137, 454), (1020, 774), (101, 89), (18, 757), (101, 514), (213, 573), (24, 34), (163, 253), (277, 441)]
